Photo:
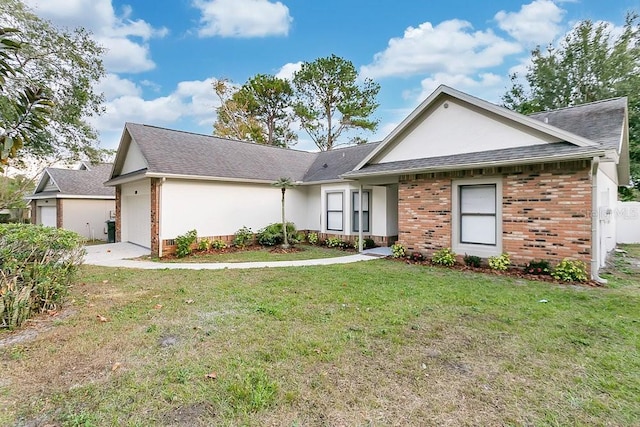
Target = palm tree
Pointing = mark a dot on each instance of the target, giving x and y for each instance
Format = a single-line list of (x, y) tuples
[(283, 184)]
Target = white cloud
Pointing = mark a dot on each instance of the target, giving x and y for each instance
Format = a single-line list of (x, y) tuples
[(449, 47), (243, 18), (537, 23), (487, 86), (125, 39), (288, 70), (114, 87)]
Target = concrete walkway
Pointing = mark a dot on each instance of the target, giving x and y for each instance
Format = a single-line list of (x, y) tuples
[(121, 254)]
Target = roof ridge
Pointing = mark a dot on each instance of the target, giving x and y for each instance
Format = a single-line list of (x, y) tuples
[(586, 104)]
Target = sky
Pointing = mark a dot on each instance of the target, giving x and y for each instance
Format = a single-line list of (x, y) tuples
[(163, 55)]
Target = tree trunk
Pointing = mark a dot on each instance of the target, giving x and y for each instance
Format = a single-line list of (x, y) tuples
[(285, 245)]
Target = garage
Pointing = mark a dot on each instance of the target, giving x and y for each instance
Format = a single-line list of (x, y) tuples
[(47, 216), (137, 215)]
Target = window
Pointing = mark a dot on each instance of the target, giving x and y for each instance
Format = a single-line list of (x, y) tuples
[(334, 211), (355, 197), (478, 214)]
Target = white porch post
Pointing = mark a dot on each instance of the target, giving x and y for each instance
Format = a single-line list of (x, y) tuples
[(360, 227)]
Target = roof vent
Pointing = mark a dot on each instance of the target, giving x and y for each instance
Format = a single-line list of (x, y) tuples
[(546, 120), (325, 166)]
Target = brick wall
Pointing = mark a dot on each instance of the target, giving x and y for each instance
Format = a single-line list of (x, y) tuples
[(118, 214), (59, 213), (546, 210), (155, 209), (34, 212)]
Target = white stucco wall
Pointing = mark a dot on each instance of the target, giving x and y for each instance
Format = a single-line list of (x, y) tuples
[(392, 210), (627, 216), (314, 208), (221, 208), (605, 215), (459, 129), (87, 217), (134, 160), (135, 213)]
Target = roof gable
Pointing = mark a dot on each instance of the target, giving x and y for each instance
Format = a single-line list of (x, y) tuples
[(78, 182)]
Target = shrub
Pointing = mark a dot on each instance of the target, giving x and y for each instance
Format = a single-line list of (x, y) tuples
[(37, 265), (334, 242), (312, 238), (184, 243), (538, 267), (271, 235), (366, 243), (242, 237), (297, 238), (397, 250), (500, 263), (218, 244), (570, 271), (444, 256), (417, 257), (204, 244), (472, 260)]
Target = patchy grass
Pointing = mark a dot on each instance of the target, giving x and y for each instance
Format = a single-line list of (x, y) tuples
[(372, 343), (261, 254)]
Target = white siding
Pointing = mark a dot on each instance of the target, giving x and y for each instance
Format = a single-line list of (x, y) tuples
[(136, 213), (392, 210), (627, 215), (134, 160), (379, 211), (459, 129), (221, 208), (87, 217), (606, 220)]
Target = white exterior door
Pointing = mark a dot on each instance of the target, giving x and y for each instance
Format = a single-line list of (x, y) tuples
[(137, 212), (48, 216)]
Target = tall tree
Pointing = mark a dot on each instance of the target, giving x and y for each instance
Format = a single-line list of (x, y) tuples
[(329, 101), (283, 184), (61, 66), (259, 111), (593, 62)]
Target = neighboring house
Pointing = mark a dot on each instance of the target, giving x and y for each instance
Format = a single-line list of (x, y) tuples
[(458, 172), (75, 199)]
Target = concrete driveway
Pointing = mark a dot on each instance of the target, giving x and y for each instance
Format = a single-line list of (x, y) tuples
[(122, 254)]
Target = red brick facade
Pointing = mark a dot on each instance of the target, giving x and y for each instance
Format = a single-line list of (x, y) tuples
[(118, 214), (546, 210), (155, 217), (59, 211)]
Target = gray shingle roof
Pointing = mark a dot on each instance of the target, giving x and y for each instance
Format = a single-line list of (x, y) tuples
[(183, 153), (600, 121), (329, 165), (517, 155), (81, 182)]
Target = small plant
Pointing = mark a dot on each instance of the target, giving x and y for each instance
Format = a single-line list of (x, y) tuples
[(417, 257), (444, 256), (218, 245), (272, 235), (397, 250), (538, 267), (500, 263), (312, 238), (570, 271), (203, 245), (472, 260), (184, 243), (243, 237), (335, 242), (366, 243)]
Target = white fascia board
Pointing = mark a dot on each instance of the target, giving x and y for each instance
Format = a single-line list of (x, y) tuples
[(70, 196), (206, 178)]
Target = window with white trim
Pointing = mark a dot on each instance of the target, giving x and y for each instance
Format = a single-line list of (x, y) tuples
[(355, 198), (335, 204), (478, 214)]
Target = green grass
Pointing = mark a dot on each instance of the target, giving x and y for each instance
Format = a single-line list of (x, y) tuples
[(371, 343), (262, 254)]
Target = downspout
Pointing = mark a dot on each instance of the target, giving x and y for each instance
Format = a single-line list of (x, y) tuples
[(595, 247)]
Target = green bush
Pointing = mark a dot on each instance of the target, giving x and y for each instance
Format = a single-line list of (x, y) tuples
[(538, 267), (184, 243), (204, 244), (243, 237), (272, 234), (500, 263), (472, 260), (367, 243), (218, 244), (397, 250), (444, 256), (336, 242), (37, 265), (570, 271), (312, 238)]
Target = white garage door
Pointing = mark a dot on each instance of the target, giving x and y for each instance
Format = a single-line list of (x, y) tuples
[(48, 216), (137, 211)]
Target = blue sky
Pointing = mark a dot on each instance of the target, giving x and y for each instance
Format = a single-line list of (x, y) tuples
[(163, 55)]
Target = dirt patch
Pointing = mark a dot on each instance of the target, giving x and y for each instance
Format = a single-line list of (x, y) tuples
[(34, 327), (198, 414)]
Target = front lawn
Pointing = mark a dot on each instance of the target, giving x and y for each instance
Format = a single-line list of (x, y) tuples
[(371, 343)]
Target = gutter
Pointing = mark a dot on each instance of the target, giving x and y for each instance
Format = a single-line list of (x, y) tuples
[(595, 163)]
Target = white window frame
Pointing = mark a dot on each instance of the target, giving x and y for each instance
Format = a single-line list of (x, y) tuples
[(327, 210), (355, 214), (481, 250)]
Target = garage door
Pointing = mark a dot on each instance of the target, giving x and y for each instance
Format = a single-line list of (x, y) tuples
[(48, 216), (137, 212)]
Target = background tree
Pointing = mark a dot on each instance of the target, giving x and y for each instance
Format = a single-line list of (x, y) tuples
[(233, 119), (283, 184), (261, 107), (593, 62), (60, 66), (329, 101)]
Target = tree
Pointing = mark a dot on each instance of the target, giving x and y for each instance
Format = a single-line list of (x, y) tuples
[(328, 100), (54, 69), (593, 62), (233, 119), (283, 184), (261, 109)]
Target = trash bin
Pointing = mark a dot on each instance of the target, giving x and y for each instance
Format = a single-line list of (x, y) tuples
[(111, 231)]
